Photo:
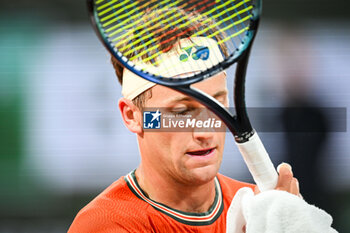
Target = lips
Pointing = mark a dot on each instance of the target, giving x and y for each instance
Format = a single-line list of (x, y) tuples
[(203, 152)]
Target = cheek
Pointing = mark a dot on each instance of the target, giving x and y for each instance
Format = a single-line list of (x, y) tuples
[(161, 141), (169, 146), (221, 139), (177, 144)]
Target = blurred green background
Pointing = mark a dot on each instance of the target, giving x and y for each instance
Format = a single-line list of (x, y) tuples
[(61, 137)]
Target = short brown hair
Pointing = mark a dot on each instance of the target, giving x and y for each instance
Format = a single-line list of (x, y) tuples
[(166, 38)]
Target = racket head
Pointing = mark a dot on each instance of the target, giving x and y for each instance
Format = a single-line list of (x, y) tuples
[(141, 34)]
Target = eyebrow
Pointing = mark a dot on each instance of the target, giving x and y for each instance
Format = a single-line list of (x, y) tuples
[(187, 98)]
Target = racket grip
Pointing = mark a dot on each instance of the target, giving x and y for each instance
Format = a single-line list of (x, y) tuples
[(259, 163)]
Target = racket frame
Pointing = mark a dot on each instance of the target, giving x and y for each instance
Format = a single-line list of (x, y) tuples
[(238, 124), (247, 140)]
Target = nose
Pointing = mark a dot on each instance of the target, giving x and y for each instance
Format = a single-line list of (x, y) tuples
[(203, 138), (204, 131)]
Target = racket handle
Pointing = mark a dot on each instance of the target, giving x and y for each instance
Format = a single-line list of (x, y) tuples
[(259, 163)]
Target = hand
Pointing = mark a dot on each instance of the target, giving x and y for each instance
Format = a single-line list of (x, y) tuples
[(286, 181)]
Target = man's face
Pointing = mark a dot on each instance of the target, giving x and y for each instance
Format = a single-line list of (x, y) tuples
[(188, 157)]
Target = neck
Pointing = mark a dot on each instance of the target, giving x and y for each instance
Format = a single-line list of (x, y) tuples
[(177, 195)]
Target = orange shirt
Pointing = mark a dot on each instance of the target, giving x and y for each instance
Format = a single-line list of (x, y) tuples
[(124, 207)]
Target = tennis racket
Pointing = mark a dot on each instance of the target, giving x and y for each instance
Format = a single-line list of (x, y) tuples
[(131, 37)]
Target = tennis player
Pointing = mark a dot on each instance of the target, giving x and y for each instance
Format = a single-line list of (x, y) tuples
[(176, 187)]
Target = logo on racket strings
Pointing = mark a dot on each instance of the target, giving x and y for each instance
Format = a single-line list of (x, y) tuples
[(152, 119), (195, 52)]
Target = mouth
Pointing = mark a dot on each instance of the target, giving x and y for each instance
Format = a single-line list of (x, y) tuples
[(203, 152)]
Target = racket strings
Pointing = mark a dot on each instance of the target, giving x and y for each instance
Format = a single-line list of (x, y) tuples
[(169, 45), (128, 15), (176, 36), (119, 20), (176, 22), (205, 30), (156, 31), (173, 33), (143, 30), (167, 15), (198, 8)]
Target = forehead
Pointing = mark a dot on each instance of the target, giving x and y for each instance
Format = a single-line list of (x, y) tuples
[(162, 96)]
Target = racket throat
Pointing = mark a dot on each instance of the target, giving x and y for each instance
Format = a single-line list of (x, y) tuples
[(244, 128), (244, 137)]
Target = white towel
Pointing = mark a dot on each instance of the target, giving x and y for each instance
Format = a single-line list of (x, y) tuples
[(275, 212)]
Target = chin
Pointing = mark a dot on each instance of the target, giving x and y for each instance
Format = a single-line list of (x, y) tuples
[(204, 174)]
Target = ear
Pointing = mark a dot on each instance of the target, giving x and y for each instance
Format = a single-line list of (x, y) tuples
[(131, 115)]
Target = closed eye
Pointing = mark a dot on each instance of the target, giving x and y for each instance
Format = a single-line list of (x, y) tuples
[(221, 96), (182, 111)]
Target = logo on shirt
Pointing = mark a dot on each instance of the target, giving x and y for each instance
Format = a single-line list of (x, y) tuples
[(152, 119)]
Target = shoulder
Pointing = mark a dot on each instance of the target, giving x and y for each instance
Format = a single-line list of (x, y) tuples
[(230, 186), (115, 209)]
